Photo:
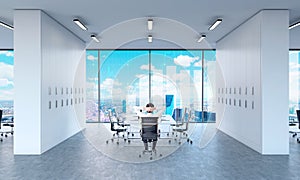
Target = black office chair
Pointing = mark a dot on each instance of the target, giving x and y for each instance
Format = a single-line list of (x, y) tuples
[(1, 122), (118, 128), (298, 117), (8, 121), (149, 134), (177, 114), (182, 127)]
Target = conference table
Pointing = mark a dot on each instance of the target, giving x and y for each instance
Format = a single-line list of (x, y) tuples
[(164, 125)]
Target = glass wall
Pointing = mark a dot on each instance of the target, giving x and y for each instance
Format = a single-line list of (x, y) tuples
[(6, 81), (294, 81), (92, 90), (129, 79)]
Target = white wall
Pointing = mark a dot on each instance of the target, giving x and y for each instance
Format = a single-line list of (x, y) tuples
[(248, 59), (27, 80), (61, 56), (47, 59)]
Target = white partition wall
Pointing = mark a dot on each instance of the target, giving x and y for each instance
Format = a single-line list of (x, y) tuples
[(253, 82), (48, 59)]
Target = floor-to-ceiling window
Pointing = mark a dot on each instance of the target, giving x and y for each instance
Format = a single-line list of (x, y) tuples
[(6, 81), (121, 80), (294, 81)]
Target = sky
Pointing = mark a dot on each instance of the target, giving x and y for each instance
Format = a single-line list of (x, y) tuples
[(125, 73), (6, 75)]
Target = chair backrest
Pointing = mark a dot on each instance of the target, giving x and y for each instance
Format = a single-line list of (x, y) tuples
[(298, 117), (149, 119), (177, 114), (149, 127), (1, 111), (112, 124)]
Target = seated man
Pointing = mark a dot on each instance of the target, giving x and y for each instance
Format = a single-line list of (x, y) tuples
[(150, 113)]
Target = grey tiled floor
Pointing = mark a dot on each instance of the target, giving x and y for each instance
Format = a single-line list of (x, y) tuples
[(223, 158)]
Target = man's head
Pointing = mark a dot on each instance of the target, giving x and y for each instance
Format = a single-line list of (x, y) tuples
[(150, 107)]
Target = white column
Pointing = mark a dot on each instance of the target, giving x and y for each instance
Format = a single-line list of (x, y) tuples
[(275, 81), (27, 79)]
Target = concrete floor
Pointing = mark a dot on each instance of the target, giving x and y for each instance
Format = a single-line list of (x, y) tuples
[(223, 158)]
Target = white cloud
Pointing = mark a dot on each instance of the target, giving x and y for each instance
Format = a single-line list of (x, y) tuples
[(93, 79), (109, 83), (92, 58), (7, 71), (7, 53), (5, 82), (198, 64), (6, 94), (185, 60), (146, 67), (294, 66)]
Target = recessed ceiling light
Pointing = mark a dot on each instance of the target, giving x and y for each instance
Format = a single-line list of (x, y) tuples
[(150, 24), (150, 38), (80, 24), (294, 25), (94, 37), (6, 25), (215, 24), (201, 38)]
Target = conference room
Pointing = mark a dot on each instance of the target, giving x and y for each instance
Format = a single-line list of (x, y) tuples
[(188, 92)]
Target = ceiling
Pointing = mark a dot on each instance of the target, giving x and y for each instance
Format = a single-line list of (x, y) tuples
[(99, 15)]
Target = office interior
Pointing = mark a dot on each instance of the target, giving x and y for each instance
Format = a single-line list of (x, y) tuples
[(237, 100)]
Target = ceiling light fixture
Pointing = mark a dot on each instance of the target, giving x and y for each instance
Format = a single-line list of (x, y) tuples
[(215, 24), (80, 24), (94, 37), (201, 38), (6, 25), (150, 38), (294, 25), (150, 24)]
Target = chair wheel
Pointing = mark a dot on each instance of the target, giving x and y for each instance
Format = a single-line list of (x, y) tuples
[(179, 142), (117, 143), (167, 134), (132, 134), (128, 141), (298, 140), (140, 156), (160, 155), (125, 140), (106, 142), (5, 135), (294, 135), (188, 140), (169, 141), (191, 142), (1, 140), (151, 158)]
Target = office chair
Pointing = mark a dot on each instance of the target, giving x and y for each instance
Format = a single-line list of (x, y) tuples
[(1, 122), (177, 114), (8, 121), (296, 133), (116, 127), (182, 127), (149, 134)]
